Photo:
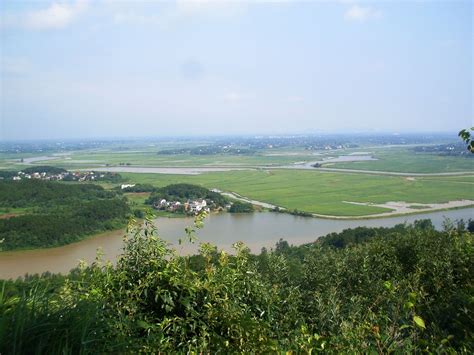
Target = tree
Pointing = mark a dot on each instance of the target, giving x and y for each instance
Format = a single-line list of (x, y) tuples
[(241, 207), (466, 137)]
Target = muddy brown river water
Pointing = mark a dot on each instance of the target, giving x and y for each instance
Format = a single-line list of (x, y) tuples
[(256, 230)]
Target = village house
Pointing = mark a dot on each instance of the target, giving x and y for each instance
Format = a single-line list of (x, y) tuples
[(197, 206), (189, 206), (124, 186)]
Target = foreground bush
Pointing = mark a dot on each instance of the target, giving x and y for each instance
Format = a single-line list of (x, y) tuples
[(405, 289)]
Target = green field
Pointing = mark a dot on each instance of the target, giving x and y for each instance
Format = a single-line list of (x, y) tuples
[(406, 160), (184, 160), (398, 159), (308, 190), (324, 192)]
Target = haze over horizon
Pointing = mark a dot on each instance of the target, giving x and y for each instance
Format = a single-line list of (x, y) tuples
[(80, 68)]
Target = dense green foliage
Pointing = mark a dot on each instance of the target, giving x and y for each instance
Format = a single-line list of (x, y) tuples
[(362, 234), (44, 169), (32, 193), (185, 192), (403, 289), (5, 174), (241, 207), (294, 212), (63, 213), (139, 188), (94, 176), (63, 227), (466, 136)]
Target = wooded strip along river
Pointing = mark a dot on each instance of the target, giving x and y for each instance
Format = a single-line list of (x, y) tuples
[(256, 230)]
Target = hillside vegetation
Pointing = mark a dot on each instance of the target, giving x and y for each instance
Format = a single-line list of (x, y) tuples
[(403, 289), (55, 213)]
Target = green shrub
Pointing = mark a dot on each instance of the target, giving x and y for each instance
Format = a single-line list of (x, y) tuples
[(404, 289)]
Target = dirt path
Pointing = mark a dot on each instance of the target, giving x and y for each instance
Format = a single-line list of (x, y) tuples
[(236, 196), (8, 215)]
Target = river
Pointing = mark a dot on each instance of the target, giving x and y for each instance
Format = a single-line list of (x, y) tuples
[(256, 230)]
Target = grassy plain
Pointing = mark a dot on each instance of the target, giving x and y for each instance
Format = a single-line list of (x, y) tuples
[(406, 160), (308, 190), (181, 160), (394, 159), (324, 192)]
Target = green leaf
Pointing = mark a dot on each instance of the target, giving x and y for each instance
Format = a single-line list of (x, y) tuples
[(144, 325), (419, 322)]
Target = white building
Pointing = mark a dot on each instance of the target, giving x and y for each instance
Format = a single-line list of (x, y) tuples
[(124, 186)]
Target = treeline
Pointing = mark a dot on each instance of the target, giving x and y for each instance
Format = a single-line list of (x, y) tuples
[(35, 192), (6, 174), (138, 188), (241, 207), (359, 235), (52, 173), (454, 149), (294, 212), (185, 192), (63, 213), (44, 169), (406, 289), (64, 226)]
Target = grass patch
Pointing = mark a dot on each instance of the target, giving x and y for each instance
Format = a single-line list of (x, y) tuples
[(405, 160), (417, 207), (323, 192)]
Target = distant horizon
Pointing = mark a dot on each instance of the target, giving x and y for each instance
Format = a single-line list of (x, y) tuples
[(454, 134)]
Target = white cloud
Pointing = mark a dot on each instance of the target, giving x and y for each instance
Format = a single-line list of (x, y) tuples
[(362, 13), (56, 16)]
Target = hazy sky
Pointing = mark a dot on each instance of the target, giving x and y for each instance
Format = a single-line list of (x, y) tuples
[(129, 68)]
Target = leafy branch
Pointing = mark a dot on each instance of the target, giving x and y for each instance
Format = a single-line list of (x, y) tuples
[(466, 136)]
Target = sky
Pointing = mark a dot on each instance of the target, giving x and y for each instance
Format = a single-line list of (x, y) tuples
[(104, 68)]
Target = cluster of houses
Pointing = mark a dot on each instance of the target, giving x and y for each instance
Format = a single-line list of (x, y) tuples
[(67, 176), (195, 206)]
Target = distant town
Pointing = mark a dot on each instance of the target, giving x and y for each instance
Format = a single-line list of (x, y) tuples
[(49, 173)]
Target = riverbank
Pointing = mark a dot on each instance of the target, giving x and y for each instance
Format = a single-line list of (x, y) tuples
[(256, 230), (80, 238)]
